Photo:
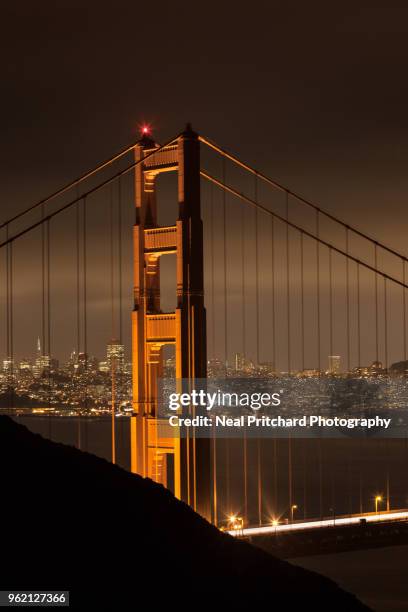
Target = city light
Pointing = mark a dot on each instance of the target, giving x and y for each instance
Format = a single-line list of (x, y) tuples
[(378, 498), (236, 522)]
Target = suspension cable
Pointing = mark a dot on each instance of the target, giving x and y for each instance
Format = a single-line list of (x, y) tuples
[(48, 264), (288, 281), (385, 324), (257, 322), (319, 354), (245, 198), (302, 303), (376, 304), (75, 183), (358, 316), (212, 270), (224, 228), (120, 259), (11, 325), (404, 312), (273, 292), (95, 189), (243, 279), (298, 197), (348, 301), (331, 301)]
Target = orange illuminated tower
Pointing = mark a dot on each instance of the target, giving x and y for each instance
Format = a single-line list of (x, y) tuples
[(155, 452)]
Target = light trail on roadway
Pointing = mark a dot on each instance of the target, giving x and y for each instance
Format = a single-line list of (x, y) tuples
[(327, 522)]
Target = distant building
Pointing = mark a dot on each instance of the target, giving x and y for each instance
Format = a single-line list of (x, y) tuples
[(104, 366), (239, 362), (25, 365), (216, 368), (376, 368), (309, 373), (41, 364), (8, 365), (243, 364), (115, 353), (266, 369), (334, 364)]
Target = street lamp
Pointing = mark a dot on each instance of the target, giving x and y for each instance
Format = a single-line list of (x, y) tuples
[(292, 509), (236, 522), (378, 498)]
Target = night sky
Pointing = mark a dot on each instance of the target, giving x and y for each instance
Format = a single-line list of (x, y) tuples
[(314, 94)]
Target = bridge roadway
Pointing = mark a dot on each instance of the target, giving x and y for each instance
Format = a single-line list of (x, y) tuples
[(334, 521), (330, 535)]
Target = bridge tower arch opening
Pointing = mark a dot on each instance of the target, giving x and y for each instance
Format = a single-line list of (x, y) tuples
[(167, 457)]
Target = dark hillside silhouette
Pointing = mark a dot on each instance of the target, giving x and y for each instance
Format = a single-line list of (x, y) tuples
[(72, 521)]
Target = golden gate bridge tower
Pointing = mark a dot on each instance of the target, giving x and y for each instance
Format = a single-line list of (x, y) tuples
[(168, 457)]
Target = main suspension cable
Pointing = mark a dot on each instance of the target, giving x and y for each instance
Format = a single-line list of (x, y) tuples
[(95, 189), (298, 197), (75, 183), (245, 198)]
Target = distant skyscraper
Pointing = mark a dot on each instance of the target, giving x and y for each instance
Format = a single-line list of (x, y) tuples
[(239, 361), (8, 364), (42, 362), (115, 352), (334, 364)]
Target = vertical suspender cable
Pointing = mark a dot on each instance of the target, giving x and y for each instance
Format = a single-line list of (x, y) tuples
[(319, 361), (47, 228), (358, 317), (212, 271), (302, 301), (119, 370), (273, 293), (275, 441), (290, 479), (78, 309), (112, 284), (257, 322), (245, 441), (259, 461), (10, 386), (120, 259), (78, 277), (376, 302), (404, 310), (11, 324), (113, 369), (85, 307), (214, 439), (385, 324), (243, 281), (331, 301), (348, 301), (7, 294), (43, 251), (302, 322), (224, 214), (288, 283), (259, 442)]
